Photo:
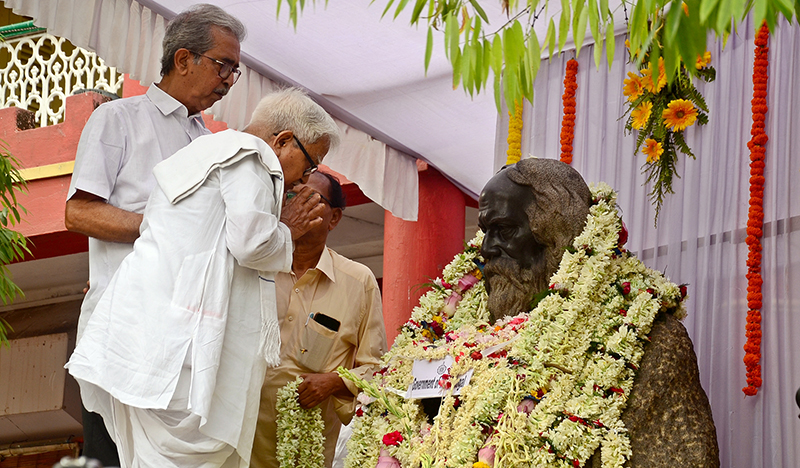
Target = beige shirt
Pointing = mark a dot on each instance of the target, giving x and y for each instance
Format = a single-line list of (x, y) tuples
[(348, 292)]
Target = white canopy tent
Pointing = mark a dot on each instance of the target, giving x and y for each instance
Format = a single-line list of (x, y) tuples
[(369, 73)]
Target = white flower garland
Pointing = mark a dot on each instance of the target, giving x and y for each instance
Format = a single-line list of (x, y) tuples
[(574, 355), (300, 443)]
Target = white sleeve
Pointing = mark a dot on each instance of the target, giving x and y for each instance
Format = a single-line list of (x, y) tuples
[(254, 233), (100, 152)]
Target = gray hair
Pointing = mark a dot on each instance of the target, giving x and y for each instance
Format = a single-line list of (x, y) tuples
[(561, 202), (291, 109), (192, 30)]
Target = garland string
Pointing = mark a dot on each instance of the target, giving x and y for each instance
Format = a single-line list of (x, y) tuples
[(300, 441), (755, 219), (514, 152), (568, 122)]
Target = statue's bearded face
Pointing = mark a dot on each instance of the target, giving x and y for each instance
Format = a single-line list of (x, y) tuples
[(516, 263)]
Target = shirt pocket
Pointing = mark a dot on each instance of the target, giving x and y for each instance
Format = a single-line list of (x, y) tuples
[(316, 344)]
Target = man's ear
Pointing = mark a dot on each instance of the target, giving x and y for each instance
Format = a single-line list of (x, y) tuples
[(181, 61), (282, 139), (335, 218)]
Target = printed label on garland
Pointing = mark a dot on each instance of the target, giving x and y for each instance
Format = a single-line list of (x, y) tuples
[(432, 379)]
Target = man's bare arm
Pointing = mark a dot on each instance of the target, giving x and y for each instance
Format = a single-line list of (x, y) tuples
[(90, 215)]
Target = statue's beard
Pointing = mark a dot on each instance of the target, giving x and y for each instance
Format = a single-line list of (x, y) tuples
[(511, 288)]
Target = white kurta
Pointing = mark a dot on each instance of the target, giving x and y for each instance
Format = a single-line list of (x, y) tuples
[(198, 288)]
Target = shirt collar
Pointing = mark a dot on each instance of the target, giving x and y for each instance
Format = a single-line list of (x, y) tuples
[(168, 104), (325, 264)]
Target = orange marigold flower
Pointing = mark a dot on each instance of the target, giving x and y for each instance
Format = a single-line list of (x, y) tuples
[(662, 75), (685, 8), (641, 115), (633, 87), (647, 80), (703, 60), (653, 150), (679, 114)]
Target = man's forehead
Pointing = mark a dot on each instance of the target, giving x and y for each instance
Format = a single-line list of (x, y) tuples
[(226, 44), (318, 183)]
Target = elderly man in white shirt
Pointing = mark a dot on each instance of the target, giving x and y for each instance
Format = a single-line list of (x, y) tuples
[(174, 355), (125, 138)]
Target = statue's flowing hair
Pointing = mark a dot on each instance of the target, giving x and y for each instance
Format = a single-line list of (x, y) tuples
[(560, 207)]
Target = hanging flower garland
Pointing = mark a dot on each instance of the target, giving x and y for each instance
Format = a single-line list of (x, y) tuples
[(568, 122), (547, 388), (661, 112), (755, 219), (300, 443), (514, 152)]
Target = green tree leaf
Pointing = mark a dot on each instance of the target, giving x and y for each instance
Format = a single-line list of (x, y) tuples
[(610, 42), (479, 10), (428, 49), (563, 24), (550, 38), (579, 28), (451, 37), (418, 6)]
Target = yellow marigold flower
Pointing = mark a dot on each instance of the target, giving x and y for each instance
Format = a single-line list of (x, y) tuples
[(641, 115), (703, 60), (679, 114), (633, 87), (653, 150)]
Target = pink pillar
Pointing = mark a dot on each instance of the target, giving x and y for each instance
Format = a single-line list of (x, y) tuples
[(414, 253)]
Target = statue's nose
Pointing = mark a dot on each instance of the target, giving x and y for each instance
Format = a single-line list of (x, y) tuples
[(489, 248)]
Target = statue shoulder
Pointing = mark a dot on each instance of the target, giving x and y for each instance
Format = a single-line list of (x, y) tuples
[(668, 411)]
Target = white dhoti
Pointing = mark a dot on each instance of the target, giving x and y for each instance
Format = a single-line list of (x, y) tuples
[(149, 438), (161, 438)]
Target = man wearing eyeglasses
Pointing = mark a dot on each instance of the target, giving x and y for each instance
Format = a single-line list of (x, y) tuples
[(174, 354), (329, 311), (122, 142)]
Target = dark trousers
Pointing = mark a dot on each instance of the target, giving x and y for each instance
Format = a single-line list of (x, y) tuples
[(97, 443)]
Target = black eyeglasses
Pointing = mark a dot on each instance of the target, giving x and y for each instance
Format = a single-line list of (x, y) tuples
[(225, 69), (314, 165), (290, 195), (326, 200)]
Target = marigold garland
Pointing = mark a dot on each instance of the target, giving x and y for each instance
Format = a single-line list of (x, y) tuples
[(755, 218), (568, 123), (514, 152)]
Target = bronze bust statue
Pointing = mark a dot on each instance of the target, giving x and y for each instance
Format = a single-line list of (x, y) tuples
[(530, 213)]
